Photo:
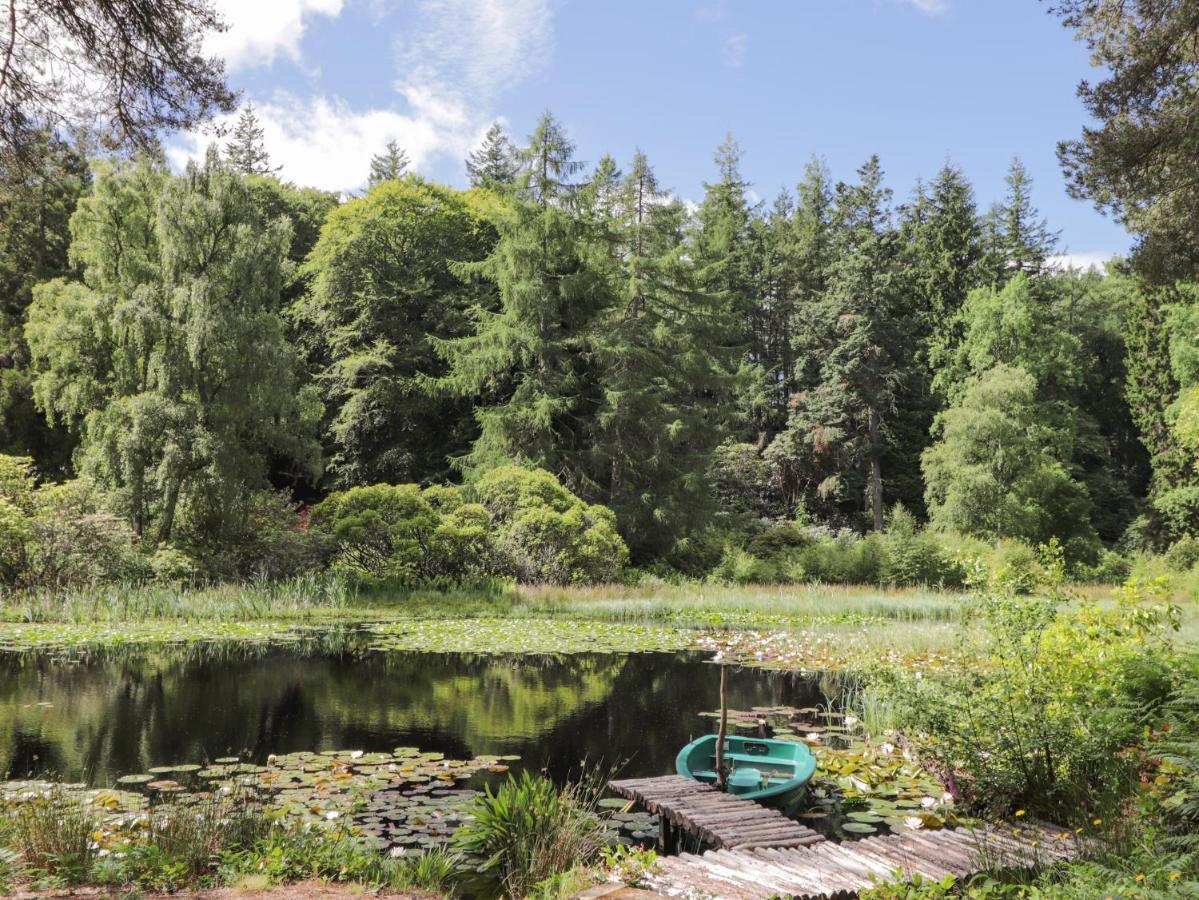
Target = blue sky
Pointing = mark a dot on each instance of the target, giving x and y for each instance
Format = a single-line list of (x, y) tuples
[(917, 81)]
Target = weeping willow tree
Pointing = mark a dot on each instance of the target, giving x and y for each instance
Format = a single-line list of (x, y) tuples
[(169, 359)]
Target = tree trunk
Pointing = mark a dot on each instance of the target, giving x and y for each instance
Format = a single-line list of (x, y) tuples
[(876, 472), (721, 780)]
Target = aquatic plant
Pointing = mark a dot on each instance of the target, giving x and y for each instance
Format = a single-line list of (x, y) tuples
[(529, 830), (53, 833)]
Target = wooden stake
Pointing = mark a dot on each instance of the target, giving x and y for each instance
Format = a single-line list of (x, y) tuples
[(721, 780)]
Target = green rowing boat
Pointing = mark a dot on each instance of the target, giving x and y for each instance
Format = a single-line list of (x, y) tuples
[(775, 773)]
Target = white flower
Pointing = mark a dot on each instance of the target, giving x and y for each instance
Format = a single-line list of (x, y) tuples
[(928, 802), (887, 748), (331, 816), (947, 798), (354, 754), (850, 721), (812, 736), (913, 822)]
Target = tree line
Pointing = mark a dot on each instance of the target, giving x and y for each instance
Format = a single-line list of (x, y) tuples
[(190, 341)]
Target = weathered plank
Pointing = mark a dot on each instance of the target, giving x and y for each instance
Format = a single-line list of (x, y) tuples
[(834, 870), (717, 818)]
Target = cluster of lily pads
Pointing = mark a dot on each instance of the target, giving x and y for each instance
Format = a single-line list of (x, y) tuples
[(811, 651), (860, 787), (405, 800)]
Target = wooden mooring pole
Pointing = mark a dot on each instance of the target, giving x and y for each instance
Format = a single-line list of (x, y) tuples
[(721, 777)]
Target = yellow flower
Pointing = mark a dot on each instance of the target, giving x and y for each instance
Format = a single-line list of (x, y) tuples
[(1097, 822), (1174, 876), (1019, 812), (1140, 877)]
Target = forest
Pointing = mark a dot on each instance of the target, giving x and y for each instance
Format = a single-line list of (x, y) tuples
[(553, 533), (211, 361)]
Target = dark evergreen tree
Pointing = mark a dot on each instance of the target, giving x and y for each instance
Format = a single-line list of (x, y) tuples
[(1017, 237), (494, 165), (726, 252), (246, 152), (526, 364), (392, 163), (838, 431)]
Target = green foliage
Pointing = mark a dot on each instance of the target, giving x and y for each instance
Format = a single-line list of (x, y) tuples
[(382, 531), (1040, 721), (543, 532), (57, 536), (382, 296), (529, 831), (743, 482), (53, 834), (170, 361), (1001, 469)]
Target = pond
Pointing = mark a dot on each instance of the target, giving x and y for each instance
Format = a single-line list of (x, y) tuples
[(96, 717)]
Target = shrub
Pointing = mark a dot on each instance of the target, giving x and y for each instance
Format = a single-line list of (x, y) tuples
[(1063, 688), (541, 532), (743, 483), (528, 831), (57, 536), (1183, 554), (53, 834), (381, 531), (915, 557), (270, 540)]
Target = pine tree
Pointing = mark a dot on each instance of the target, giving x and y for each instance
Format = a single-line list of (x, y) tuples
[(840, 426), (494, 164), (666, 365), (727, 254), (246, 151), (1018, 238), (388, 165), (526, 363), (942, 241)]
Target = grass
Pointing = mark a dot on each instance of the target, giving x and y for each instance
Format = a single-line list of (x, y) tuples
[(816, 626)]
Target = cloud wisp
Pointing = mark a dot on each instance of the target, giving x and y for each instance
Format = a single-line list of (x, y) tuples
[(452, 60)]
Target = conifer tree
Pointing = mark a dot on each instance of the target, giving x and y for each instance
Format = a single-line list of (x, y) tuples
[(526, 363), (246, 151), (494, 165), (666, 362), (1017, 236), (392, 163), (840, 426), (727, 254)]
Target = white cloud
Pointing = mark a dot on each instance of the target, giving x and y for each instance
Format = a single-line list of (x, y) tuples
[(452, 60), (929, 7), (260, 30), (733, 49), (322, 143), (464, 52), (1090, 259)]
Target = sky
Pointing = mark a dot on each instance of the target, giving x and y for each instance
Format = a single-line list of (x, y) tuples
[(919, 82)]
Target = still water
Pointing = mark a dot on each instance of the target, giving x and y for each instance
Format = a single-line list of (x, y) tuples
[(98, 717)]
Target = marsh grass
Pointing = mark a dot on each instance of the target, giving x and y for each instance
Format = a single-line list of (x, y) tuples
[(530, 831), (53, 835)]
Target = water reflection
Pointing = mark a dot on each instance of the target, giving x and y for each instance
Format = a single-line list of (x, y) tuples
[(97, 717)]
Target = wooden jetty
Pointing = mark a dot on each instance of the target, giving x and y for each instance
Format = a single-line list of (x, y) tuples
[(842, 870), (759, 853), (721, 820)]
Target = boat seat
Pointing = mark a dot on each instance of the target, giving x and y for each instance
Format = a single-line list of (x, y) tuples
[(705, 775), (742, 781)]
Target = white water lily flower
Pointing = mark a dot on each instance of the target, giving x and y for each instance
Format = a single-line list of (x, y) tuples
[(947, 798), (354, 754), (331, 816), (812, 736), (851, 721), (928, 802), (913, 822), (887, 748)]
